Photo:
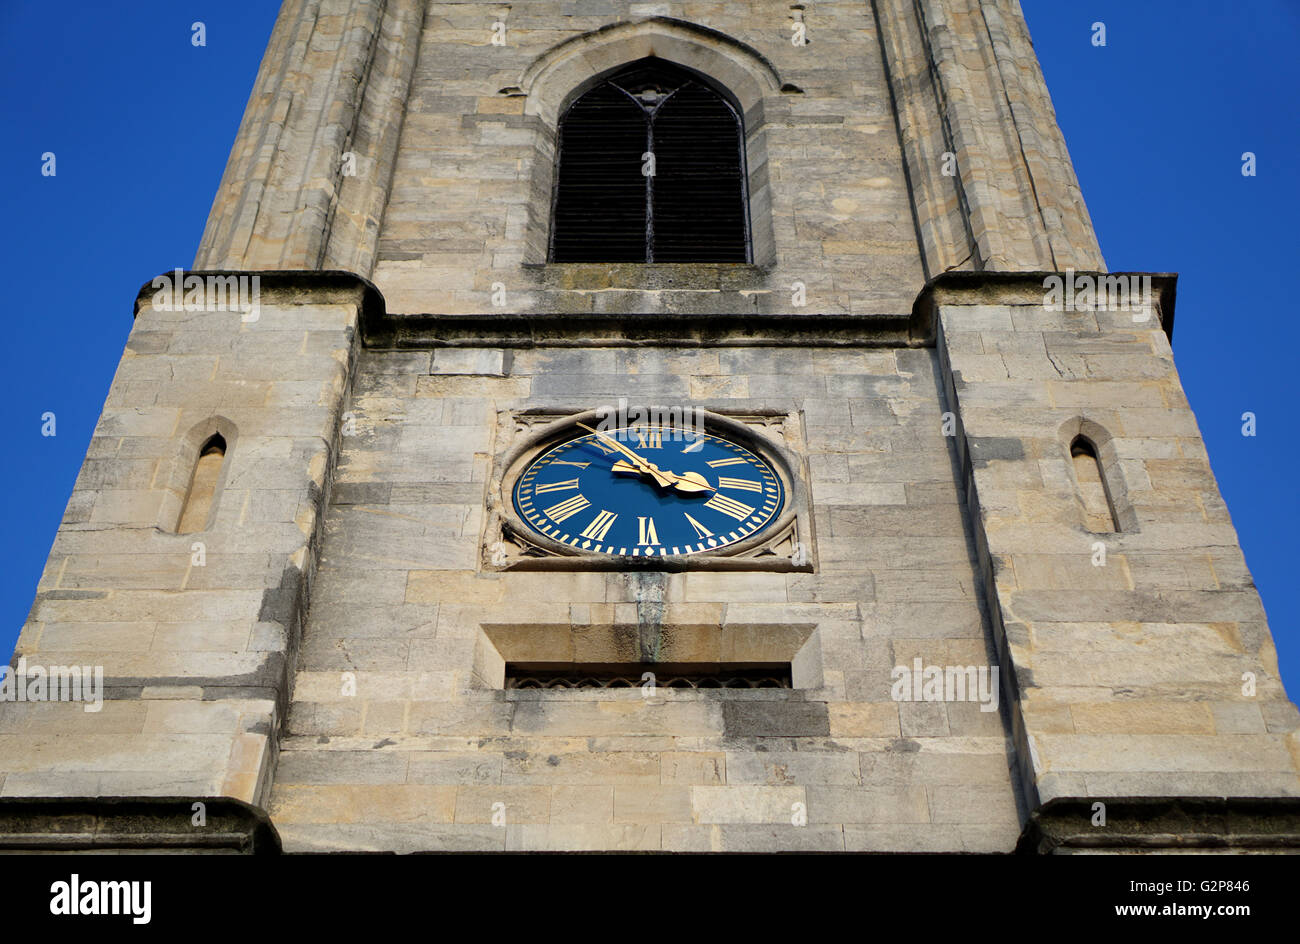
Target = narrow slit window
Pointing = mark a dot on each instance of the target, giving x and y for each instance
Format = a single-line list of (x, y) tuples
[(202, 495), (1090, 481), (651, 168)]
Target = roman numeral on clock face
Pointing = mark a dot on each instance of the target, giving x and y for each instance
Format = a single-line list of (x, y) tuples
[(599, 526), (649, 437), (566, 508), (729, 506), (557, 486), (700, 530), (580, 465), (646, 527), (719, 463), (747, 485)]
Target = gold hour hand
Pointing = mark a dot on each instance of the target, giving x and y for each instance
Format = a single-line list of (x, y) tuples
[(687, 482), (690, 482)]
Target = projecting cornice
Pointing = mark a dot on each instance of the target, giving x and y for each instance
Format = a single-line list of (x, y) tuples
[(384, 330)]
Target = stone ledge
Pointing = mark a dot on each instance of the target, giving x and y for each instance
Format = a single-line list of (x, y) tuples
[(384, 330), (288, 286), (1147, 824), (1026, 288), (654, 329), (140, 824)]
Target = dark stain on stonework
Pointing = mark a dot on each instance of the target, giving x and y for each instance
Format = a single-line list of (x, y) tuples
[(266, 681), (1022, 679), (775, 719), (648, 589), (120, 692), (985, 449), (278, 602), (73, 594)]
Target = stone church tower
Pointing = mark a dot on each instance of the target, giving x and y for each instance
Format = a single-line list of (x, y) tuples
[(982, 592)]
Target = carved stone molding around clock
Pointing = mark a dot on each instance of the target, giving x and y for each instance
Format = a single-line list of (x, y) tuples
[(776, 437)]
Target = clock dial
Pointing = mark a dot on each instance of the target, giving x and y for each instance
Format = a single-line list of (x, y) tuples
[(648, 492)]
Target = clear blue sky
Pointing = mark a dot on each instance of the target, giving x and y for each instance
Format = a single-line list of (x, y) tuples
[(141, 122)]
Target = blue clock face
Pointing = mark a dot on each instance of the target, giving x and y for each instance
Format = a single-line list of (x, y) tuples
[(648, 492)]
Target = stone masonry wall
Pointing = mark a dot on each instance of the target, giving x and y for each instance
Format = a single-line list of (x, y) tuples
[(1149, 671), (418, 756), (470, 205), (195, 643)]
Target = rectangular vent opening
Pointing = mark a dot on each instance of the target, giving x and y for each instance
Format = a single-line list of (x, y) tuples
[(697, 675)]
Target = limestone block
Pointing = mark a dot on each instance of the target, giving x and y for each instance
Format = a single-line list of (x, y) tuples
[(582, 769), (746, 804), (792, 768), (583, 805)]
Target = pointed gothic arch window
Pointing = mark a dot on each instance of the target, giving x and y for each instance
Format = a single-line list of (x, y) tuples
[(1094, 493), (202, 495), (651, 168)]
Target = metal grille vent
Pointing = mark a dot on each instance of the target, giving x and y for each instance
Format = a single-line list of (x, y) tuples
[(692, 208), (633, 676)]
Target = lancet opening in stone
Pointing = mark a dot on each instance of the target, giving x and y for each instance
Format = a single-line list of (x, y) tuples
[(201, 498), (1093, 491)]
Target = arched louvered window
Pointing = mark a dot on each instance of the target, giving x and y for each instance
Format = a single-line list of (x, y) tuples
[(651, 169)]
